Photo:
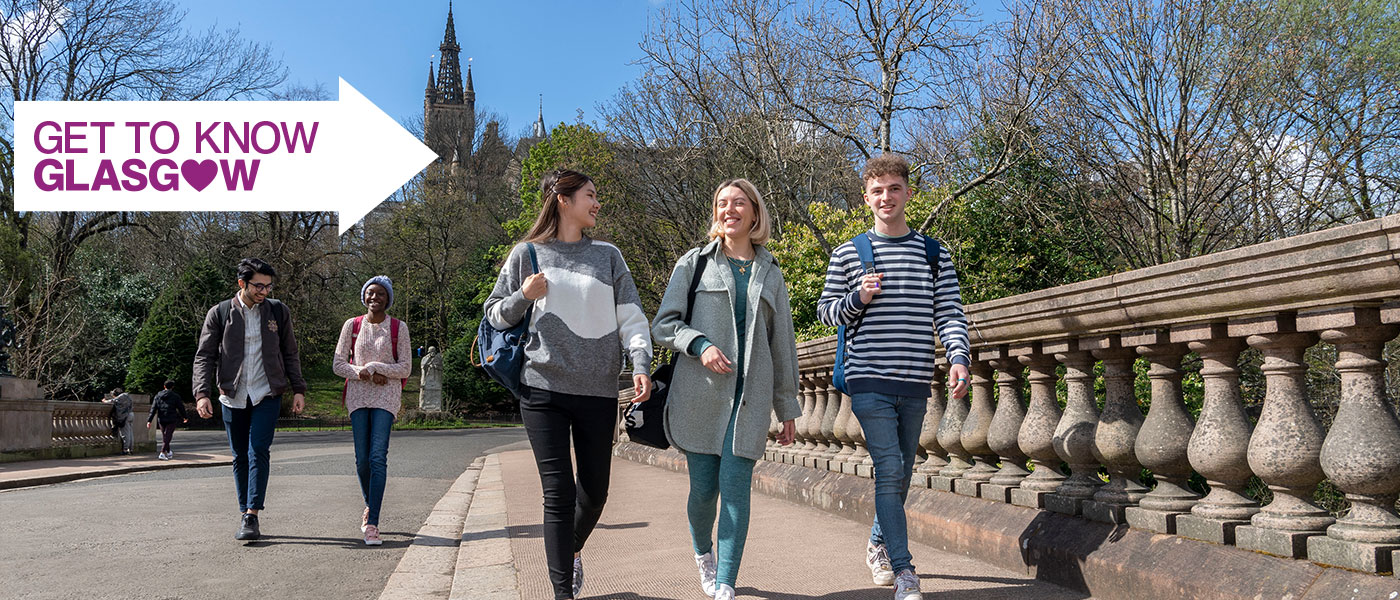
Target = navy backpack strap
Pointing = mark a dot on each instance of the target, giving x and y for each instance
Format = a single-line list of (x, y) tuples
[(864, 251), (534, 261), (934, 252)]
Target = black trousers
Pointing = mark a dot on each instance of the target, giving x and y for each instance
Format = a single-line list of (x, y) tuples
[(571, 508)]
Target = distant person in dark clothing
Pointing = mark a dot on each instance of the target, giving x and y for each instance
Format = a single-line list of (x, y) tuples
[(171, 408), (121, 417)]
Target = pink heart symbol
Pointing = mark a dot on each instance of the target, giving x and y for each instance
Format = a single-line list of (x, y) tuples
[(199, 173)]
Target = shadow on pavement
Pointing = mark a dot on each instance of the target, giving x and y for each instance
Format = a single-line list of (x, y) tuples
[(349, 543)]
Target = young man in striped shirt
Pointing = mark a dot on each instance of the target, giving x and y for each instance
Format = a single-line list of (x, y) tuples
[(893, 314)]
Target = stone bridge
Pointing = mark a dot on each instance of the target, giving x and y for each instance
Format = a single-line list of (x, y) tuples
[(992, 477)]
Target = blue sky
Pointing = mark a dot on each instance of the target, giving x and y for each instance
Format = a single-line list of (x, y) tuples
[(576, 53)]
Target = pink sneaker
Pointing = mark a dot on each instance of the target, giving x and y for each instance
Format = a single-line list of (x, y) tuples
[(372, 536)]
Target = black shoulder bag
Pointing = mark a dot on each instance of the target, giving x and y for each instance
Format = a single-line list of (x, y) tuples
[(644, 420)]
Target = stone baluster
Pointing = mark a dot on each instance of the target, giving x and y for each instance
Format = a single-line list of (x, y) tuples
[(1219, 446), (1037, 433), (975, 429), (1074, 434), (860, 462), (820, 449), (1161, 444), (772, 449), (1006, 428), (1361, 454), (937, 457), (1286, 444), (845, 421), (1116, 435), (805, 444), (828, 427), (950, 439)]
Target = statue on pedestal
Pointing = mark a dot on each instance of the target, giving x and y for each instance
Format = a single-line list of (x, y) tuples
[(430, 390)]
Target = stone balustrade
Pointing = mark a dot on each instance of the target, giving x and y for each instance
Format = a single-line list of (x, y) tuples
[(1340, 286), (31, 427)]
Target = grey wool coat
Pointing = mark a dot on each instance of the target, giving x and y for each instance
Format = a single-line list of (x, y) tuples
[(700, 401)]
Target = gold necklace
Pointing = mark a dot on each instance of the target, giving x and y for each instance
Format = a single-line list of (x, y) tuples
[(742, 264)]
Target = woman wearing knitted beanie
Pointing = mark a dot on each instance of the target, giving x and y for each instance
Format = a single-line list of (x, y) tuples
[(374, 357)]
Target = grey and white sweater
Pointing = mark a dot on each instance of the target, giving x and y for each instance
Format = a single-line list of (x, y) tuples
[(579, 330)]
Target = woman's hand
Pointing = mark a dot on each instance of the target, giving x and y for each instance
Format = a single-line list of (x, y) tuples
[(365, 375), (715, 360), (641, 387), (380, 379), (789, 433), (535, 287)]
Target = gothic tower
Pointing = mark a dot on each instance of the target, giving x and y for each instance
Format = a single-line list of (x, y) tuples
[(449, 111)]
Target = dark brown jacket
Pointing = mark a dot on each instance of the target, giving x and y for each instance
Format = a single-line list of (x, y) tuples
[(219, 356)]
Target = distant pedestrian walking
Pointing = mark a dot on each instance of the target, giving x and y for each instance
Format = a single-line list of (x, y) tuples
[(170, 408), (247, 357), (738, 369), (374, 357), (586, 314), (121, 417)]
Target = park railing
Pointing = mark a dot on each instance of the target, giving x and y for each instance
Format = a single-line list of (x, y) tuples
[(1270, 302), (32, 427)]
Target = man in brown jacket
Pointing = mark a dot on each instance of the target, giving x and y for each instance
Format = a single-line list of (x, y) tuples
[(247, 358)]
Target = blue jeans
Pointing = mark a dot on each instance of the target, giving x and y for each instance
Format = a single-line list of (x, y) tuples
[(891, 425), (371, 429), (250, 432)]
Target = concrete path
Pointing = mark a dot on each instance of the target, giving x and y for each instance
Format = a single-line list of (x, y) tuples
[(641, 549), (169, 533)]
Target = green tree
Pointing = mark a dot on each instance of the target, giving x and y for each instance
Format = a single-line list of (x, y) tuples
[(164, 348)]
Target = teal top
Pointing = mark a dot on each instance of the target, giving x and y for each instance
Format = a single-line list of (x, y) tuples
[(742, 270)]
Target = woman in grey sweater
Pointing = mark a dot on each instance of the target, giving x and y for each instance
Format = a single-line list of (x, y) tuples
[(586, 315), (739, 367)]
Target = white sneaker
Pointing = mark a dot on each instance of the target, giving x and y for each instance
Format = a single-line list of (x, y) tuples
[(878, 559), (705, 563), (906, 586), (578, 576), (724, 592), (162, 456)]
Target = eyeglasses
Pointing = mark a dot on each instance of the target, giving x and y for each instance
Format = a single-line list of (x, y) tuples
[(262, 287)]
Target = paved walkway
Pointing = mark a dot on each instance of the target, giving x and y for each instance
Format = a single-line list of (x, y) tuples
[(641, 549), (43, 472)]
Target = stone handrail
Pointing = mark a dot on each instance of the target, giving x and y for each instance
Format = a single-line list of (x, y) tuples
[(1341, 286), (33, 427)]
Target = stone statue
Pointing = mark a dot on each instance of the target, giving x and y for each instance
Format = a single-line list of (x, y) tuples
[(430, 390)]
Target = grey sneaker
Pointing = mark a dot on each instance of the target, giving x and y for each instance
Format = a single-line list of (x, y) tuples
[(578, 575), (878, 559), (906, 586), (705, 563), (724, 592)]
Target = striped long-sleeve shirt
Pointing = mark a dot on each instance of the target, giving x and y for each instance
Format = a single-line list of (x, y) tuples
[(890, 342)]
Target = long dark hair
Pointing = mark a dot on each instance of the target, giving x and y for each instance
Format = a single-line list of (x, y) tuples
[(556, 183)]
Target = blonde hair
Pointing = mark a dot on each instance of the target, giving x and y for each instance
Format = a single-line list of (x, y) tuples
[(762, 227)]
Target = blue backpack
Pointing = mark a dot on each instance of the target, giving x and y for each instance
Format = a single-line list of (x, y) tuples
[(866, 253), (503, 352)]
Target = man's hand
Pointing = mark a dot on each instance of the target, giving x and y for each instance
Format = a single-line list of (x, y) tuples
[(957, 380), (869, 286), (298, 403), (205, 408)]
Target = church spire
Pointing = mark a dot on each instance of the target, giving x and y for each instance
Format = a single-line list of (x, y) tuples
[(471, 93), (449, 78), (432, 86), (539, 130)]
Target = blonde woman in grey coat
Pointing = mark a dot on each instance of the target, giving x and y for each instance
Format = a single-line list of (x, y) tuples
[(738, 367)]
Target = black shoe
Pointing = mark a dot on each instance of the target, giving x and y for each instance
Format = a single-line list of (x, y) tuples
[(248, 530)]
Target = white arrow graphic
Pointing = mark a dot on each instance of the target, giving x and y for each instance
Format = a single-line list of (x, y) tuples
[(345, 156)]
